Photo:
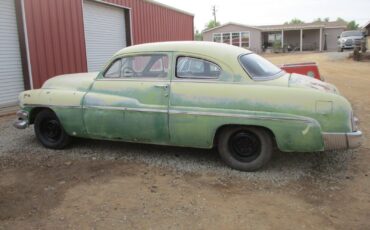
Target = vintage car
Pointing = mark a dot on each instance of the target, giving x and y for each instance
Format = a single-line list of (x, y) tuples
[(193, 94)]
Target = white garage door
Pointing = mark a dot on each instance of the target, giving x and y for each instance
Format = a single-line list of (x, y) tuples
[(105, 33), (11, 76)]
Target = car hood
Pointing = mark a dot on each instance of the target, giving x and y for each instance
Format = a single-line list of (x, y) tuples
[(77, 81), (351, 37), (302, 81)]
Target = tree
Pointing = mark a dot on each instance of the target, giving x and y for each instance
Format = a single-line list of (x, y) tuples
[(339, 19), (322, 20), (294, 21), (211, 24), (198, 36), (352, 25)]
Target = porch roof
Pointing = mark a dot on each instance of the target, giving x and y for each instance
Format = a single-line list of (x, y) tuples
[(312, 25)]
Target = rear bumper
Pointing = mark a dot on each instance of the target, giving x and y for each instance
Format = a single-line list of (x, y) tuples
[(336, 141), (22, 122)]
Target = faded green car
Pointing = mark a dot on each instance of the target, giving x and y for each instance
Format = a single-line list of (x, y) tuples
[(193, 94)]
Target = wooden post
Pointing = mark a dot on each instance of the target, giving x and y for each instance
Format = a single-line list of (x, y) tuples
[(282, 39), (301, 43), (320, 46)]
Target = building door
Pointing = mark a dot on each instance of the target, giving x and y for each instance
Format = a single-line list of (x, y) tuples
[(105, 32), (11, 75)]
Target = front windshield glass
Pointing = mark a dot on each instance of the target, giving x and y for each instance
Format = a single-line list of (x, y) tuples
[(351, 33), (258, 67)]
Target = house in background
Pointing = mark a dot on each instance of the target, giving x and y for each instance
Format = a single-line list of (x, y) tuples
[(43, 38), (366, 29), (317, 36)]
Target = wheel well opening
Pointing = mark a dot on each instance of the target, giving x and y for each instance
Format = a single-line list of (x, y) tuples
[(36, 111), (221, 128)]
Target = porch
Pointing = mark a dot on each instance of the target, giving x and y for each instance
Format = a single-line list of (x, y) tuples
[(293, 40)]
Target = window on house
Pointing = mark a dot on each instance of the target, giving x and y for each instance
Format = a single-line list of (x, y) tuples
[(155, 65), (240, 39), (217, 37), (272, 38), (188, 67), (244, 39), (226, 38), (235, 39)]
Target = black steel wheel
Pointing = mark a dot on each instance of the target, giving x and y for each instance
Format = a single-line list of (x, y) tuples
[(245, 148), (49, 130)]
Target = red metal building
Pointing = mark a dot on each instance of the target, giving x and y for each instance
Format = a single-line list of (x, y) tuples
[(68, 36)]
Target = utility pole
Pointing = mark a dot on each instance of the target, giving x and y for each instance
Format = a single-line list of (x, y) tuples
[(214, 14)]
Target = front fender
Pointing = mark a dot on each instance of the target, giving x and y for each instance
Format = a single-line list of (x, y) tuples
[(66, 104)]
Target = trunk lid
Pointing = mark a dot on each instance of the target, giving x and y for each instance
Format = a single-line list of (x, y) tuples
[(302, 81)]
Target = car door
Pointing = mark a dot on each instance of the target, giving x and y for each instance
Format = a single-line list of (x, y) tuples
[(196, 92), (129, 100)]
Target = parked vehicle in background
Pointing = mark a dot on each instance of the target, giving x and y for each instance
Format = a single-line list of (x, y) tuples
[(193, 94), (309, 69), (350, 39)]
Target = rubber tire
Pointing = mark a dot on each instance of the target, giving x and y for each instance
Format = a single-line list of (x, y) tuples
[(259, 162), (64, 139)]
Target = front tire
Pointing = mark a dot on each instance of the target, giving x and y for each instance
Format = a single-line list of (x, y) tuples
[(49, 130), (245, 148)]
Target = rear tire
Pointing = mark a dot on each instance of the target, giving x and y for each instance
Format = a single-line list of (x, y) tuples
[(49, 130), (245, 148)]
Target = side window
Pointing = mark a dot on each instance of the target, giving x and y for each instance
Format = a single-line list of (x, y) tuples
[(114, 70), (188, 67), (141, 66)]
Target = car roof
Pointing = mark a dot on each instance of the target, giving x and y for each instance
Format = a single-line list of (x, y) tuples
[(213, 49)]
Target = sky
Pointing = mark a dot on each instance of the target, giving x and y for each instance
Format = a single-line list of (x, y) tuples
[(267, 12)]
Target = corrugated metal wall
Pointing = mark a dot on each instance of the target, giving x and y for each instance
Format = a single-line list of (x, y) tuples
[(56, 34), (55, 38), (151, 22)]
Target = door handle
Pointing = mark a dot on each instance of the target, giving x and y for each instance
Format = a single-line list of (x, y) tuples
[(162, 86)]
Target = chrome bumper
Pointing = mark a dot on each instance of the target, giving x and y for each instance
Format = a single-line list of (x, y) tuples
[(22, 121), (336, 141)]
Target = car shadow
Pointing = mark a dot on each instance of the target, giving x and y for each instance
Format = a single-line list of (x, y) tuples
[(293, 165)]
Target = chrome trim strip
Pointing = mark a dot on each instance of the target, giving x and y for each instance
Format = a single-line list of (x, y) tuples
[(263, 117), (126, 109), (135, 79), (174, 111), (61, 106)]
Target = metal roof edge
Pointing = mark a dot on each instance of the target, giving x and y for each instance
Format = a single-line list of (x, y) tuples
[(366, 24), (230, 23), (169, 7)]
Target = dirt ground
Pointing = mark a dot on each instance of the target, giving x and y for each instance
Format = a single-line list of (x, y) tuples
[(109, 185)]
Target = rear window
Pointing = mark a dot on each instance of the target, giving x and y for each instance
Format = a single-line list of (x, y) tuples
[(258, 67)]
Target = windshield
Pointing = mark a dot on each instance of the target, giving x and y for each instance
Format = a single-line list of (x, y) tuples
[(351, 33), (258, 67)]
